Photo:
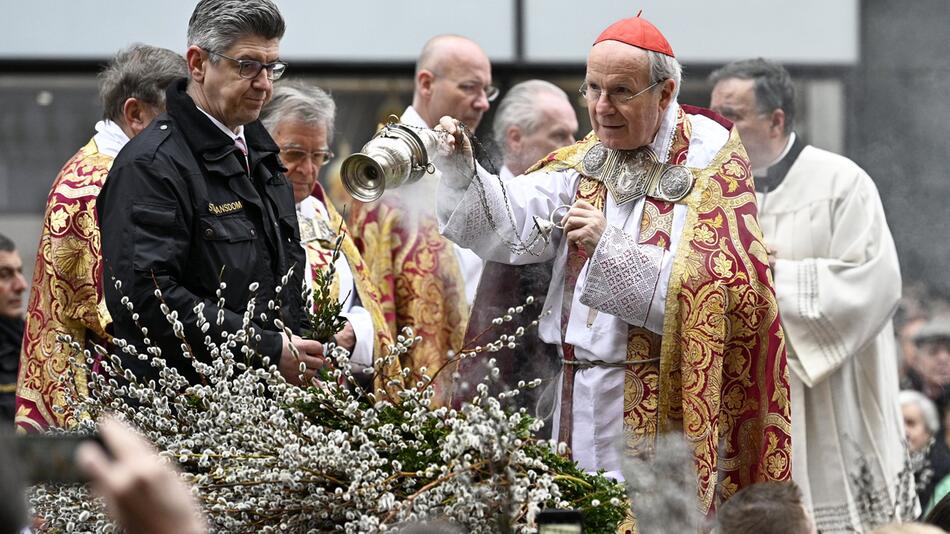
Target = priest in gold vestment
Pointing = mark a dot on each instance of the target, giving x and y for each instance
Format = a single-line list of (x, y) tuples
[(67, 298), (661, 298), (300, 119), (837, 281), (428, 283)]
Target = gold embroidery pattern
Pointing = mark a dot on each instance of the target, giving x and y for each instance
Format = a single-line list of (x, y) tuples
[(730, 389), (370, 297), (418, 275), (67, 296), (640, 393), (655, 225)]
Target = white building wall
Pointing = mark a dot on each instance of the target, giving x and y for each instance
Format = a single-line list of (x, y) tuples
[(803, 32)]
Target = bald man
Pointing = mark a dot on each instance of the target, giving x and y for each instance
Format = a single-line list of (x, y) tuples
[(427, 282), (453, 77)]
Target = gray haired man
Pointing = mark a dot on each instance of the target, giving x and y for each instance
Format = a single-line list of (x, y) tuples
[(837, 282), (202, 204), (534, 119), (67, 297)]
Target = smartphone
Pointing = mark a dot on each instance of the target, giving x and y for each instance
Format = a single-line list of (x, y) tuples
[(50, 458), (560, 522)]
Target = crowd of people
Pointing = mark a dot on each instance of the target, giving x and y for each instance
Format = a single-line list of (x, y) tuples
[(699, 272)]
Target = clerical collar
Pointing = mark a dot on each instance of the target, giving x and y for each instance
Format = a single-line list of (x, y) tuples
[(109, 138), (234, 136), (774, 174), (788, 146)]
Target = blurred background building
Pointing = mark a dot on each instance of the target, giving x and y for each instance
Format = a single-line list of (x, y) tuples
[(871, 76)]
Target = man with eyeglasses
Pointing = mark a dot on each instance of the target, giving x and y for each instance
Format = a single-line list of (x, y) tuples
[(427, 281), (300, 118), (838, 282), (197, 204), (661, 300)]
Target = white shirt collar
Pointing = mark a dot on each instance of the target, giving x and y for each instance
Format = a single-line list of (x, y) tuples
[(109, 138), (505, 173), (412, 118), (225, 129), (310, 206), (781, 156)]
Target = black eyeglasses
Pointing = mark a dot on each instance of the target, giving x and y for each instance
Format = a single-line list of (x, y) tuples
[(250, 69)]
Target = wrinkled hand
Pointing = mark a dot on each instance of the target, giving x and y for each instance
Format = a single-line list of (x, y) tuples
[(310, 353), (584, 225), (456, 161), (346, 338), (142, 493)]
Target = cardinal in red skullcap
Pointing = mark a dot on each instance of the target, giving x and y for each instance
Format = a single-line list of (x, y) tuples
[(638, 32), (661, 302)]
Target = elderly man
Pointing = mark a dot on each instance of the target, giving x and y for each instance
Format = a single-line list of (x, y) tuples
[(12, 286), (534, 119), (300, 119), (660, 298), (197, 204), (837, 282), (67, 297), (427, 282)]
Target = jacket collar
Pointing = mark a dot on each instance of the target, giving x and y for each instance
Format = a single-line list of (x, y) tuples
[(203, 136)]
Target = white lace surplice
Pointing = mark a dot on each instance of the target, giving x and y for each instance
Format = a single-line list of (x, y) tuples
[(598, 391)]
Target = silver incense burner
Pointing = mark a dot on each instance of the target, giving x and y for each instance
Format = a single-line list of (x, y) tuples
[(397, 155)]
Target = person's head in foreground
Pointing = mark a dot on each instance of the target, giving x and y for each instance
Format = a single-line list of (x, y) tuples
[(765, 508)]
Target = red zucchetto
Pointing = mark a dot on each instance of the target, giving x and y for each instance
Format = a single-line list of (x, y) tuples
[(638, 32)]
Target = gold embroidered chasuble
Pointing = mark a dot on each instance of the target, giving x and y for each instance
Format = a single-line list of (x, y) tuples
[(721, 378), (418, 274), (319, 254), (66, 297)]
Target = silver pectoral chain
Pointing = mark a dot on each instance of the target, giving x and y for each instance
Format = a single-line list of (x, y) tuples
[(631, 174)]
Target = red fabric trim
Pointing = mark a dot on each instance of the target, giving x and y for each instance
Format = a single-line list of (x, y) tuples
[(318, 192), (709, 114)]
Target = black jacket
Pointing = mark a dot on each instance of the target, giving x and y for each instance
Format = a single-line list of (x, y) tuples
[(180, 212), (11, 338)]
